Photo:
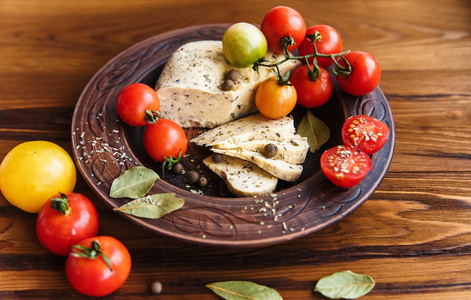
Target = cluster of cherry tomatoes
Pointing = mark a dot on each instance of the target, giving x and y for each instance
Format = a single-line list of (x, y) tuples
[(357, 73), (138, 105), (67, 225), (319, 46)]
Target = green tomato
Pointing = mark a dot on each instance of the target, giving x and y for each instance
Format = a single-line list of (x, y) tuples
[(32, 172), (243, 44)]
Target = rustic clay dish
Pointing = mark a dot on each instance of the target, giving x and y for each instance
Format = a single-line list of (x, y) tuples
[(104, 147)]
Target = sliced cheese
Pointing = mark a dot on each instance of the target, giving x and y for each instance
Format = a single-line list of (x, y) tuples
[(242, 177), (253, 127), (292, 150), (189, 87), (276, 167)]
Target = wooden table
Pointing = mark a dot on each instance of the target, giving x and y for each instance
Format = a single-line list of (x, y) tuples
[(413, 235)]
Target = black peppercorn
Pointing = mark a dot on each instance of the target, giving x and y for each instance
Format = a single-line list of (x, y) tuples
[(192, 177), (270, 150), (217, 157), (227, 85), (202, 181), (177, 168), (233, 75)]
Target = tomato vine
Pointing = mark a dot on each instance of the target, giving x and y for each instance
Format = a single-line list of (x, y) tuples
[(314, 70)]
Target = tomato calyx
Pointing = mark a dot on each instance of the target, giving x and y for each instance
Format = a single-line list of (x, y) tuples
[(170, 162), (313, 73), (61, 204), (152, 117), (285, 42), (92, 253), (340, 70)]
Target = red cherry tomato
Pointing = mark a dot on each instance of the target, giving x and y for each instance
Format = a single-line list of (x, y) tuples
[(344, 166), (273, 100), (330, 43), (133, 102), (312, 93), (365, 74), (98, 266), (365, 133), (65, 220), (165, 139), (282, 21)]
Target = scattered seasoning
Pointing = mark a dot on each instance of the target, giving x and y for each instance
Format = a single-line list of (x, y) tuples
[(90, 148), (285, 228)]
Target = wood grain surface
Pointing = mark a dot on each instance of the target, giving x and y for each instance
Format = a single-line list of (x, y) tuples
[(413, 235)]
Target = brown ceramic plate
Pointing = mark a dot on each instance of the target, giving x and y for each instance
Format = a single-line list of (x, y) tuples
[(104, 147)]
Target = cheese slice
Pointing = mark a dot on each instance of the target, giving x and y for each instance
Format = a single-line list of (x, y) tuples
[(189, 87), (276, 167), (292, 150), (253, 127), (242, 177)]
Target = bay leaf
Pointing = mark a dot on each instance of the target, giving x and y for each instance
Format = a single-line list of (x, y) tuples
[(152, 206), (345, 284), (133, 183), (315, 130), (242, 290)]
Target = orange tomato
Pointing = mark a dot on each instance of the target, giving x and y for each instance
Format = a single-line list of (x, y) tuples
[(273, 100)]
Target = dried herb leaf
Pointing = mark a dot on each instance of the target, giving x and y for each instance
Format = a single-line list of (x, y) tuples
[(345, 284), (316, 132), (237, 290), (152, 206), (133, 183)]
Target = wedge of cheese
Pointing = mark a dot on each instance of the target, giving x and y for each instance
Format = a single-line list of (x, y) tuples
[(242, 177), (189, 87), (276, 167), (253, 127)]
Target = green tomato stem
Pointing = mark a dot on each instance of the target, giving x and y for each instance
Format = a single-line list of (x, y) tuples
[(313, 73), (91, 253), (170, 162), (61, 204)]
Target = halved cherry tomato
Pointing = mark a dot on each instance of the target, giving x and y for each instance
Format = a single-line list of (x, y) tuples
[(280, 22), (365, 133), (345, 166), (165, 139), (273, 100), (312, 93), (330, 43), (133, 102), (65, 220), (365, 73), (98, 266)]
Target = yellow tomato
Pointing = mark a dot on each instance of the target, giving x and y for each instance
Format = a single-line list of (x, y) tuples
[(34, 171)]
